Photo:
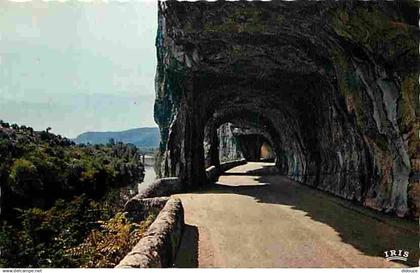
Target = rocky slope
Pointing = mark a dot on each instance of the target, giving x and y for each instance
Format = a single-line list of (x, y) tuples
[(332, 84), (37, 168)]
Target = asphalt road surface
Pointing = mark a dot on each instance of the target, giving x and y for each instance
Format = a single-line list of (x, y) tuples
[(253, 217)]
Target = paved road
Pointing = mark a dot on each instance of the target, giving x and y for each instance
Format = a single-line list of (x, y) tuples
[(254, 218)]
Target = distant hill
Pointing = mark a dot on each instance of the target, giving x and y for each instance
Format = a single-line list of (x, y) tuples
[(141, 137)]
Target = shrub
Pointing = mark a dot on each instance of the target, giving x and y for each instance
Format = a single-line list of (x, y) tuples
[(80, 233), (106, 246), (23, 178), (53, 195)]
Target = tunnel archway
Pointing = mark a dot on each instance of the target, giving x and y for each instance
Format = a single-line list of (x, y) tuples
[(254, 146), (247, 126), (237, 142), (336, 96)]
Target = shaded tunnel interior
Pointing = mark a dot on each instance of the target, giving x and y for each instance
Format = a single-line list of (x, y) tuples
[(238, 135), (236, 143), (319, 86)]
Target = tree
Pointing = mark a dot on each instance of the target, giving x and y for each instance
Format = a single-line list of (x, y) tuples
[(111, 142)]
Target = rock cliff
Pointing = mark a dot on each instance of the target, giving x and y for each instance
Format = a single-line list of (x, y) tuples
[(333, 86)]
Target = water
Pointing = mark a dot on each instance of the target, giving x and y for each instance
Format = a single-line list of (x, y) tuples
[(149, 172)]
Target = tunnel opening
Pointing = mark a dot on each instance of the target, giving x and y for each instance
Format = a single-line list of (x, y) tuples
[(267, 153), (239, 142), (241, 133)]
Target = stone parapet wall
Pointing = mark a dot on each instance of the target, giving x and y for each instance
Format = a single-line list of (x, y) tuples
[(213, 172), (160, 187), (158, 247)]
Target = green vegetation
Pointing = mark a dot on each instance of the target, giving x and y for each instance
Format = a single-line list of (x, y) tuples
[(106, 246), (56, 195), (38, 168), (79, 233)]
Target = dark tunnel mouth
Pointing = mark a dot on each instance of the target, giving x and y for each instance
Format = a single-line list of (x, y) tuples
[(249, 143), (249, 128)]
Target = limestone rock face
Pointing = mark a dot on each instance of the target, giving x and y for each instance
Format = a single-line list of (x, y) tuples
[(333, 86), (229, 148)]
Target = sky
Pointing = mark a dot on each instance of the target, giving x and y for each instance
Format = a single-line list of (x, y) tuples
[(76, 66)]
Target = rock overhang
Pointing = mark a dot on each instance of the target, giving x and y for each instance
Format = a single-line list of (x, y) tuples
[(327, 77)]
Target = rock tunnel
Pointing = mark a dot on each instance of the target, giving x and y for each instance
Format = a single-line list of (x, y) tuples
[(331, 87)]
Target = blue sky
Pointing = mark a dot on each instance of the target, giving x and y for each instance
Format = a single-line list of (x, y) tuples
[(78, 66)]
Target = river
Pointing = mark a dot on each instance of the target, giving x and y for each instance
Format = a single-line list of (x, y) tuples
[(149, 171)]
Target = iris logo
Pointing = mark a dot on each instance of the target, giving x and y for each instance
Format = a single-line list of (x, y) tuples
[(399, 254)]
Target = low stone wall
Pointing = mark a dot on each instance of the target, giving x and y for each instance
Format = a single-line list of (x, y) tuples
[(159, 245), (231, 164), (137, 208), (214, 172), (171, 185), (160, 187)]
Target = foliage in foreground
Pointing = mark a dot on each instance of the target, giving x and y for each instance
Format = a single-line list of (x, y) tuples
[(80, 233), (106, 246)]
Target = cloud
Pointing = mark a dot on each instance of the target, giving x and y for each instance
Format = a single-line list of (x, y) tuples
[(71, 116), (63, 63)]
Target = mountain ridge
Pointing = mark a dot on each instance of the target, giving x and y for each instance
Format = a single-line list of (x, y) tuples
[(141, 137)]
